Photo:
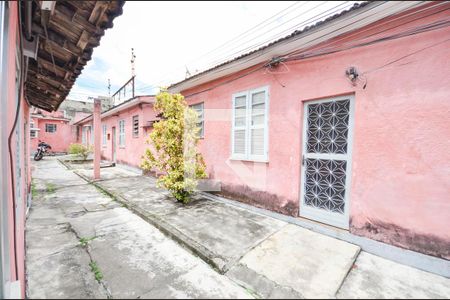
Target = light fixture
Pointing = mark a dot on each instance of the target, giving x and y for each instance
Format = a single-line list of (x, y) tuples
[(352, 74)]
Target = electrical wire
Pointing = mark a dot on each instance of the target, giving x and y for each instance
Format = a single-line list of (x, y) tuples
[(314, 18), (11, 160), (246, 33), (416, 30), (235, 39), (370, 28), (441, 24)]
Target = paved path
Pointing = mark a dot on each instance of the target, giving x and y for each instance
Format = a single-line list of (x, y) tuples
[(270, 258), (75, 233)]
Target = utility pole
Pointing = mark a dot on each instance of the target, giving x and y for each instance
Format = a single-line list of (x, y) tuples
[(109, 87), (133, 58)]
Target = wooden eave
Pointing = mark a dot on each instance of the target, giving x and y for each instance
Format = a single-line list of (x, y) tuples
[(67, 37)]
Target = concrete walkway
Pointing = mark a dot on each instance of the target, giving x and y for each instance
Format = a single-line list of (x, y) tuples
[(268, 257), (82, 244)]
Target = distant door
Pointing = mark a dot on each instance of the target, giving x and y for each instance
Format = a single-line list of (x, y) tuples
[(113, 144), (326, 162)]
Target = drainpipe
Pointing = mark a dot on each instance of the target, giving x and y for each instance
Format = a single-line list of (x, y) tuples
[(28, 20), (97, 134)]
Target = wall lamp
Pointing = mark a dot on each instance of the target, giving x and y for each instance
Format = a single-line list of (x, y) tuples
[(352, 74)]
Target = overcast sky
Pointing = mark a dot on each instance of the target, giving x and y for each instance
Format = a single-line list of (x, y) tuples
[(170, 36)]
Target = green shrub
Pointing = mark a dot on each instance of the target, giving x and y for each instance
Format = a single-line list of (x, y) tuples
[(175, 138), (80, 150)]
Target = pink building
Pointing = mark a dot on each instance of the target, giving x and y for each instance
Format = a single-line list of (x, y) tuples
[(344, 123), (28, 79), (125, 129), (53, 128)]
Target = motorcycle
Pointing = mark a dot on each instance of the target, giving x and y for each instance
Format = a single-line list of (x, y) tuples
[(42, 149)]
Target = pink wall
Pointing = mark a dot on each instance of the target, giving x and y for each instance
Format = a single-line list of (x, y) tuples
[(20, 160), (134, 147), (60, 140), (399, 186)]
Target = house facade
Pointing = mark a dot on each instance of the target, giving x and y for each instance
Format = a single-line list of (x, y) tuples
[(56, 128), (28, 79), (52, 128), (125, 129), (344, 123)]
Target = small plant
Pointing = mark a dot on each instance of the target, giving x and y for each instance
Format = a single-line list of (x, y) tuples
[(85, 241), (95, 269), (80, 150), (33, 189), (50, 187), (174, 139)]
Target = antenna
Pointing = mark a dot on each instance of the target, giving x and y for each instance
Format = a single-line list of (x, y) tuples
[(188, 74), (109, 87), (133, 57)]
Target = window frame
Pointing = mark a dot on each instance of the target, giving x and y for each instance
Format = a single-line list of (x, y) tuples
[(53, 125), (202, 131), (135, 133), (104, 128), (121, 133), (248, 126)]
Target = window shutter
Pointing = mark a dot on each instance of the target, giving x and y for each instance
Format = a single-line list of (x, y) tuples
[(258, 124), (239, 125)]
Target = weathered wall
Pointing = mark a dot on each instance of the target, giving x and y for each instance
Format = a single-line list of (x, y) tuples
[(59, 140), (134, 147), (399, 191), (15, 177)]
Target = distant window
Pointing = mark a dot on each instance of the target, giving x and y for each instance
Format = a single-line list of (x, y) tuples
[(135, 126), (104, 135), (122, 133), (33, 131), (50, 128), (84, 135), (201, 124)]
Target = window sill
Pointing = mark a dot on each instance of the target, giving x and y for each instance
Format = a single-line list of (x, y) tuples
[(258, 160), (122, 147)]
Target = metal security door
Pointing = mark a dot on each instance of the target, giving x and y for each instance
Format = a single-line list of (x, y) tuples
[(326, 162)]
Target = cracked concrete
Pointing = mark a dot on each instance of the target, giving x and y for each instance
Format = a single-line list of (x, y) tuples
[(135, 259), (139, 254)]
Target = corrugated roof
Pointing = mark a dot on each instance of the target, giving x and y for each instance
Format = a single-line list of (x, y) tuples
[(296, 33)]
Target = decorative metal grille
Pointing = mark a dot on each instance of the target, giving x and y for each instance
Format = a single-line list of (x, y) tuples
[(328, 127), (325, 184)]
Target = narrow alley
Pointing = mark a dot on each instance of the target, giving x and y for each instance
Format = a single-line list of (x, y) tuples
[(121, 237), (82, 244)]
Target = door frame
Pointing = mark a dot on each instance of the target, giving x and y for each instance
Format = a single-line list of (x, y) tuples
[(113, 144), (316, 214)]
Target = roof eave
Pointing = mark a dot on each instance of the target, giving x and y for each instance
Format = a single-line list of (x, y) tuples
[(349, 21)]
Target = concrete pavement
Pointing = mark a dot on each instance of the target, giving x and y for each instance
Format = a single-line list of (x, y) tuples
[(268, 257), (82, 244)]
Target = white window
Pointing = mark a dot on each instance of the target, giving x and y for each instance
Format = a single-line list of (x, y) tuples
[(33, 130), (51, 128), (122, 133), (201, 124), (136, 126), (84, 135), (104, 134), (250, 125)]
